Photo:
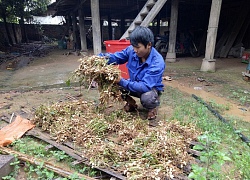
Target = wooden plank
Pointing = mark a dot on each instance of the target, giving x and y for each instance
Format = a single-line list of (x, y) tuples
[(5, 167), (223, 39), (236, 28), (153, 12), (46, 137), (194, 152), (38, 162), (243, 30), (4, 105), (71, 152), (96, 30), (68, 148), (139, 17), (212, 32)]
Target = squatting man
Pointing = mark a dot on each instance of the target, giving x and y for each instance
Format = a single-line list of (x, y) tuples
[(145, 67)]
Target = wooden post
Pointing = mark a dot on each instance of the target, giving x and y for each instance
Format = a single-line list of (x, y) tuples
[(110, 26), (223, 39), (14, 33), (235, 29), (96, 26), (243, 30), (158, 25), (75, 32), (208, 63), (82, 30), (171, 55), (72, 32), (123, 25)]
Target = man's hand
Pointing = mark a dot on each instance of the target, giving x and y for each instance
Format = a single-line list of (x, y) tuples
[(118, 80)]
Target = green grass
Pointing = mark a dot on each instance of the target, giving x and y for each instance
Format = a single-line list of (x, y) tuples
[(240, 95), (37, 149), (224, 154)]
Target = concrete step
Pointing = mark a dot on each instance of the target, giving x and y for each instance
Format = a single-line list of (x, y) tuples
[(5, 167)]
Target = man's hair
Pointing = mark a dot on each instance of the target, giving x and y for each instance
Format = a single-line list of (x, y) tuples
[(141, 35)]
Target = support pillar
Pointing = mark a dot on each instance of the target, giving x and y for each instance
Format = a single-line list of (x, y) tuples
[(110, 27), (208, 63), (171, 55), (82, 30), (158, 25), (95, 13), (123, 25), (75, 32)]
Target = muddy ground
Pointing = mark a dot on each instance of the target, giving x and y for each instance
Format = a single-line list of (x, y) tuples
[(26, 83)]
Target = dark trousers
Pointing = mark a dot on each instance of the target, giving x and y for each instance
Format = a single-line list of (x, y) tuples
[(149, 100)]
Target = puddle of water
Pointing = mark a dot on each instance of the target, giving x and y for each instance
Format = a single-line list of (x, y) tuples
[(235, 110)]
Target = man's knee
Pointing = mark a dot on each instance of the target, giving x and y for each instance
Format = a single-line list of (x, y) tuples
[(150, 99)]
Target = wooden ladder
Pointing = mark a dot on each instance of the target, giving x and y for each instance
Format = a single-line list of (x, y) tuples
[(145, 16)]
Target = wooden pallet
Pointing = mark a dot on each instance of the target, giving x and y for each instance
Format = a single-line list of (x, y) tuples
[(71, 150)]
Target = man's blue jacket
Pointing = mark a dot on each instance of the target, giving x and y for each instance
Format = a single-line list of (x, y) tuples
[(143, 76)]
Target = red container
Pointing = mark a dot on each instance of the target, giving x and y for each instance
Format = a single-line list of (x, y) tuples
[(113, 46)]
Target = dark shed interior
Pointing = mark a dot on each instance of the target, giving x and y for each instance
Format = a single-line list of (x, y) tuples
[(193, 16)]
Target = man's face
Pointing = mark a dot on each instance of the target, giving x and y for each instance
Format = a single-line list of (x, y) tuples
[(142, 51)]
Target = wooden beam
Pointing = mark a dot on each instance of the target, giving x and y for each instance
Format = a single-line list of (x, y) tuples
[(212, 29), (76, 45), (171, 55), (208, 63), (82, 30), (58, 170), (95, 13), (69, 149), (243, 30), (235, 29), (223, 39)]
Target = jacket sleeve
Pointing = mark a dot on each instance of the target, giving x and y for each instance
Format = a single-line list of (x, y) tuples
[(152, 78), (119, 57)]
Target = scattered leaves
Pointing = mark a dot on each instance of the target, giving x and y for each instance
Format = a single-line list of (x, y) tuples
[(95, 69), (120, 140)]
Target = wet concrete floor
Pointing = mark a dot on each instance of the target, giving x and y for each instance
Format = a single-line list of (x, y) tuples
[(52, 69)]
